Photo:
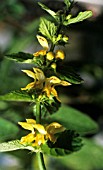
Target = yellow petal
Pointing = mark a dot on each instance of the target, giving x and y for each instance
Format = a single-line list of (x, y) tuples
[(51, 137), (40, 128), (41, 52), (47, 91), (39, 74), (59, 54), (27, 139), (54, 128), (31, 121), (43, 42), (54, 80), (29, 73), (26, 125), (29, 86), (55, 94), (65, 83), (39, 139)]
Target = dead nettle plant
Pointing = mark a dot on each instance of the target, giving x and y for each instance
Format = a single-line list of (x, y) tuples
[(56, 129)]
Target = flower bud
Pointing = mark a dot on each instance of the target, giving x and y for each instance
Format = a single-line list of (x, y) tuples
[(65, 38), (53, 65), (59, 54), (50, 56)]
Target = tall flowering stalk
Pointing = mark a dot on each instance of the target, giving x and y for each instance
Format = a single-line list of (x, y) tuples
[(54, 135)]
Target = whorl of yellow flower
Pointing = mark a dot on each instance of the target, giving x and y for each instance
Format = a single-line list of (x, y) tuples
[(46, 85), (39, 133)]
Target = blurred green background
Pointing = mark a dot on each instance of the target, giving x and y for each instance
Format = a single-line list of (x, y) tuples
[(19, 20)]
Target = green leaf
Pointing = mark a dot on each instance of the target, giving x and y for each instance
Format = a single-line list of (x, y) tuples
[(21, 57), (74, 120), (90, 157), (69, 75), (14, 145), (54, 151), (18, 96), (47, 28), (67, 142), (80, 17), (8, 129), (52, 13), (11, 146)]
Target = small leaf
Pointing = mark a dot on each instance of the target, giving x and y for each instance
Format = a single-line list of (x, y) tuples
[(80, 17), (8, 129), (52, 13), (73, 119), (67, 142), (21, 57), (47, 28), (18, 96)]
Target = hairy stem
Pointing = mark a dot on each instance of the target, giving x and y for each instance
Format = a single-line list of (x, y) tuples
[(41, 161)]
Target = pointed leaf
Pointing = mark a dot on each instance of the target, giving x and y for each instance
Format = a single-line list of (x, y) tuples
[(18, 96), (21, 57), (7, 129), (68, 74), (15, 145), (11, 146), (52, 13), (47, 28), (80, 17), (74, 120), (67, 142)]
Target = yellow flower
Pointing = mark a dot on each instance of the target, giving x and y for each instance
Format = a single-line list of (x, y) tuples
[(50, 83), (39, 133), (59, 55), (43, 42), (52, 129), (38, 77), (38, 53)]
